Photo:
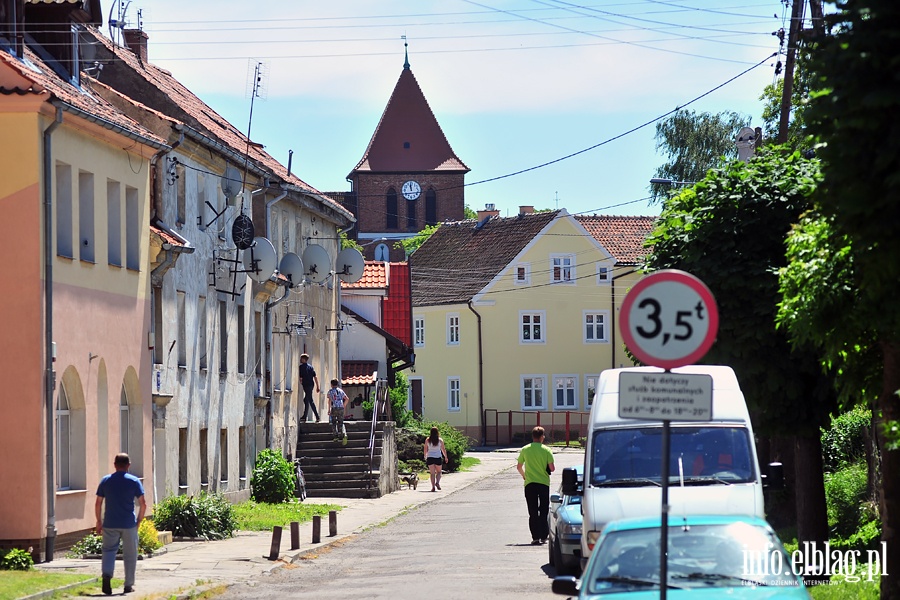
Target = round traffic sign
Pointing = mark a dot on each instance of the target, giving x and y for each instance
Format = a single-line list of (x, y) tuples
[(669, 319)]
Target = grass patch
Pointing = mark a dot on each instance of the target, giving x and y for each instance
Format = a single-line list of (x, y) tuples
[(840, 589), (259, 516), (18, 584), (468, 462)]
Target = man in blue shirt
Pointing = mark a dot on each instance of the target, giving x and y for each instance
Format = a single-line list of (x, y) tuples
[(118, 522), (308, 377)]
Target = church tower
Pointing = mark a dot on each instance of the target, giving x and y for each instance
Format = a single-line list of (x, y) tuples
[(408, 178)]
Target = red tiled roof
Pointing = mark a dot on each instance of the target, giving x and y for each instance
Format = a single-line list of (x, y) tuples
[(408, 137), (397, 310), (358, 372), (623, 237), (460, 258), (375, 276), (167, 237)]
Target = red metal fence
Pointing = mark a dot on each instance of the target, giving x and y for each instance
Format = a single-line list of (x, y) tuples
[(513, 427)]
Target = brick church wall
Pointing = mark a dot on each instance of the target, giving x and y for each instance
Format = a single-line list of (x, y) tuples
[(371, 190)]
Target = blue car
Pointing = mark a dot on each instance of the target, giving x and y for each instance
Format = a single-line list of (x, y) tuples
[(564, 542), (708, 556)]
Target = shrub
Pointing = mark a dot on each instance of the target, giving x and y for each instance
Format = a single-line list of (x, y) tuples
[(413, 465), (845, 493), (208, 516), (89, 544), (455, 442), (148, 537), (16, 560), (844, 442), (273, 477)]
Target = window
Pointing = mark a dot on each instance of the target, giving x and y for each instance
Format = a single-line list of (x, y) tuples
[(411, 218), (182, 460), (124, 422), (204, 458), (532, 327), (201, 201), (590, 388), (241, 355), (64, 211), (132, 230), (113, 223), (431, 207), (86, 216), (201, 331), (391, 209), (223, 457), (565, 396), (522, 274), (533, 392), (181, 193), (223, 337), (563, 268), (257, 340), (419, 331), (453, 394), (453, 330), (604, 274), (182, 331), (242, 457), (63, 437), (595, 329)]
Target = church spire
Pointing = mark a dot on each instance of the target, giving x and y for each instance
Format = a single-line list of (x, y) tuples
[(405, 53)]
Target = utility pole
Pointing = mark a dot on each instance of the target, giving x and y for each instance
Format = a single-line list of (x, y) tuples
[(795, 34)]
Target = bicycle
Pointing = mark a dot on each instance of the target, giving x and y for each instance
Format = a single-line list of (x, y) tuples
[(300, 480)]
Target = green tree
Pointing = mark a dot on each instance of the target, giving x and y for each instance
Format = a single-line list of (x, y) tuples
[(852, 114), (729, 230), (411, 244), (797, 138), (346, 242), (694, 143)]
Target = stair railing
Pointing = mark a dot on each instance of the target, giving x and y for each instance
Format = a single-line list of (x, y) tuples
[(381, 406)]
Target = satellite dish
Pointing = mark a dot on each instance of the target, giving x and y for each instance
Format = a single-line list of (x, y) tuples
[(242, 232), (231, 182), (260, 259), (316, 264), (292, 267), (350, 265)]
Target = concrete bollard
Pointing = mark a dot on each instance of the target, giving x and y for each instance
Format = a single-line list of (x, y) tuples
[(332, 523), (317, 529), (295, 535), (276, 543)]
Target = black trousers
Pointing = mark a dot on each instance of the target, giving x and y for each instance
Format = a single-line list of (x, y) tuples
[(537, 496), (308, 403)]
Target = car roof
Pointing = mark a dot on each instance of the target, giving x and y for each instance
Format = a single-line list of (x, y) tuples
[(650, 522)]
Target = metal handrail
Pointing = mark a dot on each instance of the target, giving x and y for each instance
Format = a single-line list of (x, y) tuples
[(381, 401)]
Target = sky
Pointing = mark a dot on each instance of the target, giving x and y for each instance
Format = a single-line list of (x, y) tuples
[(550, 103)]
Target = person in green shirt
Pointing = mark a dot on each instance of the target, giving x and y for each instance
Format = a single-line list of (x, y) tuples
[(535, 464)]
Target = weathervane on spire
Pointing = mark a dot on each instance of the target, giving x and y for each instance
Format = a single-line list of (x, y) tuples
[(405, 52)]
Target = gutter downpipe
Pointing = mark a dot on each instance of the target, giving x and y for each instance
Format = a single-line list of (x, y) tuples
[(612, 314), (49, 374), (480, 377), (267, 319)]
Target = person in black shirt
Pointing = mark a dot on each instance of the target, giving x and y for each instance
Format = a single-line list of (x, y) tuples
[(308, 377)]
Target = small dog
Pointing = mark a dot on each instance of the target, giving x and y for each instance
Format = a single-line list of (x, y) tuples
[(410, 479)]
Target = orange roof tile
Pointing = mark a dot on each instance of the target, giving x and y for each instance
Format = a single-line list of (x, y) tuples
[(375, 276), (623, 237), (358, 372)]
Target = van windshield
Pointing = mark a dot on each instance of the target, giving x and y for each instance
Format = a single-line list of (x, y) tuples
[(705, 455)]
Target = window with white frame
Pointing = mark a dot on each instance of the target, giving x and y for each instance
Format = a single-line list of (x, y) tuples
[(63, 437), (419, 330), (562, 268), (522, 274), (453, 394), (595, 326), (533, 392), (604, 274), (453, 330), (565, 392), (124, 422), (590, 388), (531, 327)]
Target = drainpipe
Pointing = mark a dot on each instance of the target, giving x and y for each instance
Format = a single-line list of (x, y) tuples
[(612, 317), (49, 374), (480, 378), (267, 318)]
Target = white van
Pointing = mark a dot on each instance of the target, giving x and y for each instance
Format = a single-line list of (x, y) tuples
[(713, 468)]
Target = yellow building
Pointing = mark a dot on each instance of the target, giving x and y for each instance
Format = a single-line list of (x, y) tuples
[(514, 319), (74, 295)]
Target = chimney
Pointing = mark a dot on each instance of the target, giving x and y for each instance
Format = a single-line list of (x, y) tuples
[(526, 210), (488, 212), (137, 43)]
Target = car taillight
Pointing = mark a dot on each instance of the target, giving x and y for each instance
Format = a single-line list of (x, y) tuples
[(592, 537)]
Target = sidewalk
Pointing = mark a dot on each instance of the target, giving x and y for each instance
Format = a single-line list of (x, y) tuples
[(187, 566)]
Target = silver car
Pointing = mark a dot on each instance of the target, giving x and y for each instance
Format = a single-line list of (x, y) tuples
[(565, 530)]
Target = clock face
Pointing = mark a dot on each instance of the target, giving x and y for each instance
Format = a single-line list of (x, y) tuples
[(411, 190)]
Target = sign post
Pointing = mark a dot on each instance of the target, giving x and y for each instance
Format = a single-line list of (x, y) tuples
[(669, 319)]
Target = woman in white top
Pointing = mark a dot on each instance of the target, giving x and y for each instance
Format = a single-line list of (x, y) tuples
[(435, 457)]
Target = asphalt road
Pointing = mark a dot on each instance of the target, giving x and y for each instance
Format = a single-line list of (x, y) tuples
[(471, 543)]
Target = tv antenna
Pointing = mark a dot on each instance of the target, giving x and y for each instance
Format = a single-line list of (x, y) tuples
[(117, 24), (257, 89)]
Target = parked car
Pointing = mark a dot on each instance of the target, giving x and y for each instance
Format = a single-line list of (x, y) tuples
[(708, 556), (564, 542)]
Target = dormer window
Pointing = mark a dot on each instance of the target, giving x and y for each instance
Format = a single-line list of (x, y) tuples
[(522, 274)]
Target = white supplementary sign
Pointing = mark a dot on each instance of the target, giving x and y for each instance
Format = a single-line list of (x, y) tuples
[(669, 319), (665, 396)]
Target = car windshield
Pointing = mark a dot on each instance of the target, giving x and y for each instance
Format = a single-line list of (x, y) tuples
[(708, 455), (701, 556)]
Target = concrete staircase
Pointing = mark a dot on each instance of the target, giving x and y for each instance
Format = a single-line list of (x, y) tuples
[(333, 470)]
